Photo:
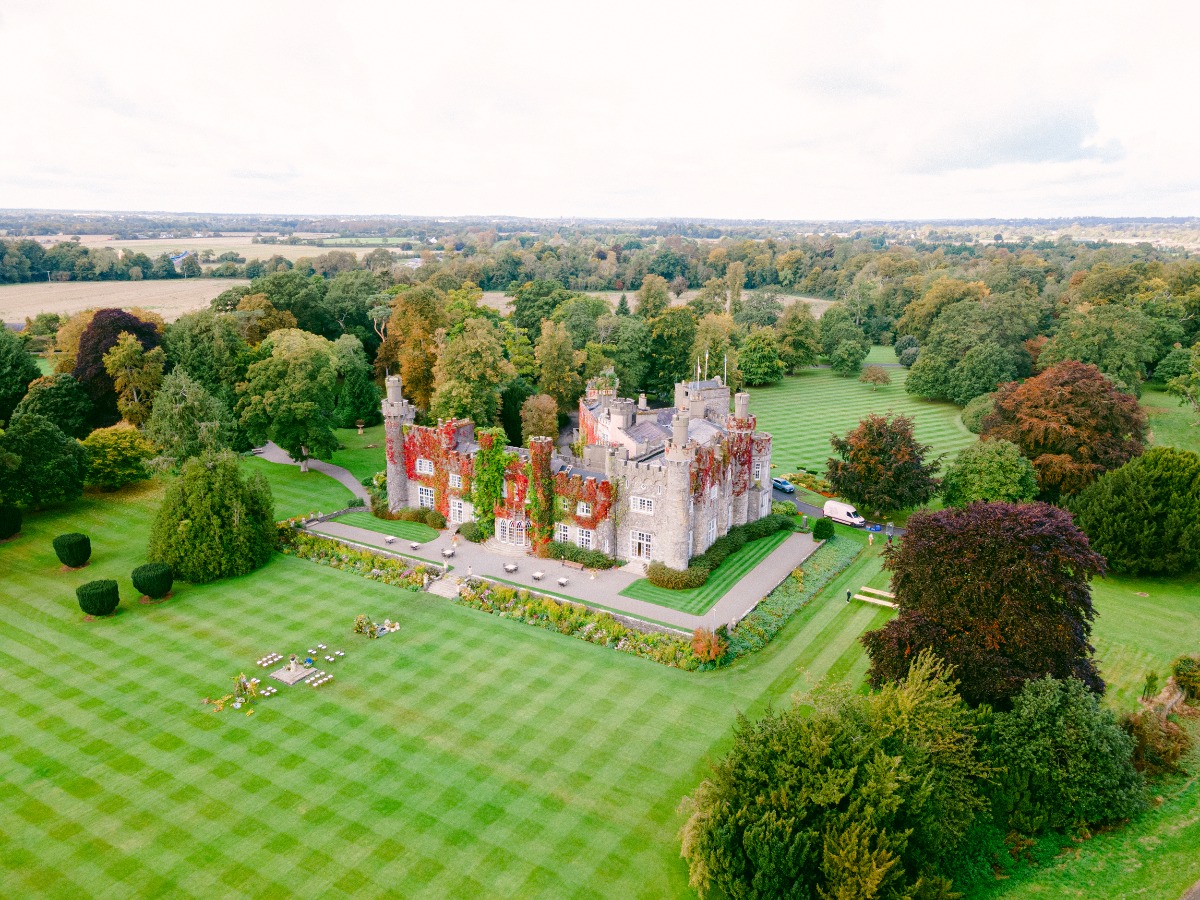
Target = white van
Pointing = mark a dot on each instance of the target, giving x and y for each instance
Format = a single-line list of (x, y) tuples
[(844, 513)]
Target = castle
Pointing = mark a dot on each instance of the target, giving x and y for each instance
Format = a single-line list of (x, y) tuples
[(652, 485)]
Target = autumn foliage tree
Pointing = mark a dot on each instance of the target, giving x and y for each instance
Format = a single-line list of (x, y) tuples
[(1071, 422), (882, 465), (998, 590), (100, 336)]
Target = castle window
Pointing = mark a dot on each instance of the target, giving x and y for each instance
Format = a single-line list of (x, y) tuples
[(456, 510), (583, 509), (425, 497), (639, 544), (424, 467), (564, 533), (564, 503), (455, 481), (712, 531), (643, 505), (758, 471), (585, 538)]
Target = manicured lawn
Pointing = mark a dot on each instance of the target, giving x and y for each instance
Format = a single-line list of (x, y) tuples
[(298, 493), (465, 756), (803, 411), (1170, 424), (364, 455), (700, 600), (409, 531)]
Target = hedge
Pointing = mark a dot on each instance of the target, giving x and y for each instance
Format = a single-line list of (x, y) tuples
[(822, 529), (592, 559), (430, 517), (98, 598), (153, 579), (700, 567), (470, 531), (73, 550), (10, 522)]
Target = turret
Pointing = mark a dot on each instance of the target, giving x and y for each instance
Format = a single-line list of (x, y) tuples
[(679, 430), (397, 412), (741, 405)]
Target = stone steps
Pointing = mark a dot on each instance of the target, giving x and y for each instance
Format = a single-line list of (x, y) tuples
[(491, 545), (445, 587)]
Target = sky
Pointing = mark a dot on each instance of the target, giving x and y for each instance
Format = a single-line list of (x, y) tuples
[(791, 110)]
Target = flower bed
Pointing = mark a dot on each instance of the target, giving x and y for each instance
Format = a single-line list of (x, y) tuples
[(577, 621), (336, 555)]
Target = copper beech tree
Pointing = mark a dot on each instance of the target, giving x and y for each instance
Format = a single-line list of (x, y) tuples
[(1071, 422), (882, 465), (999, 591)]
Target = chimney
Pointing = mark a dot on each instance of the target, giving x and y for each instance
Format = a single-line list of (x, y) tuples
[(642, 405), (679, 429), (741, 405), (394, 388)]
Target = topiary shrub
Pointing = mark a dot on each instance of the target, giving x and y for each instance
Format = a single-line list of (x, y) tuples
[(73, 550), (98, 598), (470, 531), (435, 519), (822, 529), (10, 522), (154, 580)]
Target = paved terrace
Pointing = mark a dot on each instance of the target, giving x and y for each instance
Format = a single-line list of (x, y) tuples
[(600, 589)]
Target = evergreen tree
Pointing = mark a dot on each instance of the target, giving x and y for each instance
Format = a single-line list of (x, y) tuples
[(758, 358), (17, 371), (61, 400), (39, 465), (215, 521), (188, 421)]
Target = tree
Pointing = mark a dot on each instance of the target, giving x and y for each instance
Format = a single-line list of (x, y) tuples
[(411, 347), (257, 317), (837, 325), (758, 359), (875, 376), (761, 308), (629, 350), (976, 411), (188, 421), (66, 340), (1071, 422), (1145, 516), (679, 284), (579, 315), (1187, 386), (714, 344), (136, 374), (289, 397), (711, 299), (116, 456), (920, 315), (735, 283), (1121, 341), (869, 797), (558, 366), (512, 401), (190, 267), (981, 369), (1062, 760), (847, 358), (469, 375), (101, 335), (671, 338), (215, 521), (39, 465), (209, 345), (539, 417), (653, 297), (988, 471), (799, 344), (623, 306), (534, 302), (61, 400), (358, 397), (998, 590), (882, 465), (17, 371)]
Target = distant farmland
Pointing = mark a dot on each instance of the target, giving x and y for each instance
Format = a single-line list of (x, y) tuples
[(803, 411), (170, 299)]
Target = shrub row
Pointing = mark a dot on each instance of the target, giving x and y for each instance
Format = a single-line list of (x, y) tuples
[(593, 559), (430, 517), (73, 550), (376, 566), (577, 621), (700, 567)]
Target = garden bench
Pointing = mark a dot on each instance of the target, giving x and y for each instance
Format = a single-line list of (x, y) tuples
[(878, 601), (571, 564), (877, 592)]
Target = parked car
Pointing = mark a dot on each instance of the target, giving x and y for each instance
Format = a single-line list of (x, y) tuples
[(844, 513), (782, 484)]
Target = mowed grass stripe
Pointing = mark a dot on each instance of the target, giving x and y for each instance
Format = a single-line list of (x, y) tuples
[(700, 600), (299, 493), (409, 531), (803, 411)]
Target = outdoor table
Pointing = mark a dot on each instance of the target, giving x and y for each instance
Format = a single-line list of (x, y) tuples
[(510, 568), (447, 553), (562, 582), (538, 576)]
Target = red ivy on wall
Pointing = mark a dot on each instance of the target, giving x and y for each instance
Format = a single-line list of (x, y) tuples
[(437, 446), (576, 489)]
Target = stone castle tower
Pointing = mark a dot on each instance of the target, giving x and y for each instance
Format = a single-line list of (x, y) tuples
[(397, 412)]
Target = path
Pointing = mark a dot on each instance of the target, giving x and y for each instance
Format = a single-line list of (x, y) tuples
[(272, 452), (813, 512), (601, 590)]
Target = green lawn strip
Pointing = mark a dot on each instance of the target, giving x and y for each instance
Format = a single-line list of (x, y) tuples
[(699, 600), (1170, 423), (802, 411), (364, 454), (409, 531), (880, 355), (299, 493)]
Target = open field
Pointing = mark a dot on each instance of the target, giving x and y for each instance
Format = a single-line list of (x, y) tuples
[(170, 299), (1170, 423), (698, 601), (241, 244), (442, 761), (802, 411)]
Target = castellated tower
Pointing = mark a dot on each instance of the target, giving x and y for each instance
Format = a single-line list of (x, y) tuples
[(676, 521), (397, 412), (740, 427)]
